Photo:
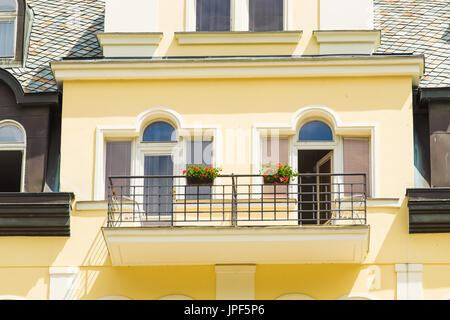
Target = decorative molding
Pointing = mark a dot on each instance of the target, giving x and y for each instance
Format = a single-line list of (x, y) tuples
[(91, 205), (235, 282), (134, 132), (429, 210), (240, 67), (409, 281), (136, 44), (339, 128), (348, 41), (35, 214), (238, 37), (62, 280), (176, 297)]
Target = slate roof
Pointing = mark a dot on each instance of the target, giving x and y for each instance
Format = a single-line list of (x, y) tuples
[(67, 28), (60, 28), (419, 27)]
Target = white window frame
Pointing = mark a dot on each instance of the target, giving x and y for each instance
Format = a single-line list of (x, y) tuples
[(239, 15), (10, 16), (16, 147), (134, 134)]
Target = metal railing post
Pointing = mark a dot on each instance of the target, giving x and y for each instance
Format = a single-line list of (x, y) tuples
[(233, 201)]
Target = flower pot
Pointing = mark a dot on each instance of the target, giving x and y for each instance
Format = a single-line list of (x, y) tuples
[(271, 180), (195, 181)]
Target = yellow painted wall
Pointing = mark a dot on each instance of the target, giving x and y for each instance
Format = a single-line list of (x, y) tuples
[(238, 104)]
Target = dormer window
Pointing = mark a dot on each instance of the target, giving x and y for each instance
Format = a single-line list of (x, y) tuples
[(8, 16), (213, 15), (236, 15), (15, 27)]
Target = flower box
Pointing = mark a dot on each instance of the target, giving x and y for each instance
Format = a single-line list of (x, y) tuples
[(194, 181)]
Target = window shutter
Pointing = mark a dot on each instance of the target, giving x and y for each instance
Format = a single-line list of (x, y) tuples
[(266, 15), (357, 160), (275, 150), (198, 152), (118, 163), (213, 15)]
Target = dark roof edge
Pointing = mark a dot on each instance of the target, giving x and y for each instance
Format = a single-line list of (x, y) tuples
[(27, 98), (433, 94)]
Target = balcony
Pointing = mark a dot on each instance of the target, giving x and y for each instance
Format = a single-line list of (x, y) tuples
[(160, 220)]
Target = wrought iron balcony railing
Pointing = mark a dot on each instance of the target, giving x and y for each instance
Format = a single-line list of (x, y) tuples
[(237, 200)]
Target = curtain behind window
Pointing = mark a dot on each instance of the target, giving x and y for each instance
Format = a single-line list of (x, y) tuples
[(266, 15), (213, 15), (118, 163)]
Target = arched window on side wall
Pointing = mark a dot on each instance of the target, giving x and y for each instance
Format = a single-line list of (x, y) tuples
[(12, 156), (159, 132), (315, 131)]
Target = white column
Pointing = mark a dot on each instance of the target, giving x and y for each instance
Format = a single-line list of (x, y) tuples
[(235, 282), (61, 282), (346, 15), (409, 281)]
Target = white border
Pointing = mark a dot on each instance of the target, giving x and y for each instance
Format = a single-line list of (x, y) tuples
[(239, 15), (17, 147), (133, 133), (339, 129)]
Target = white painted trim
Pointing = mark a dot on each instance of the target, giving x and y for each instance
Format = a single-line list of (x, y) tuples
[(330, 117), (236, 282), (409, 281), (134, 133), (239, 15), (347, 41), (17, 147), (126, 44), (240, 67), (383, 203), (62, 280), (91, 205), (238, 37)]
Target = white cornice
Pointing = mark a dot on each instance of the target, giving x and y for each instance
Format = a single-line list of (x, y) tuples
[(348, 41), (298, 67), (129, 44), (238, 37)]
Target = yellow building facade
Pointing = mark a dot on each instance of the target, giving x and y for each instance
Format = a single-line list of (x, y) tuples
[(237, 90)]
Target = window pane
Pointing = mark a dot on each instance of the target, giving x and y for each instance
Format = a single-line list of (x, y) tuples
[(274, 150), (357, 160), (198, 152), (11, 134), (118, 163), (266, 15), (159, 132), (7, 5), (6, 38), (213, 15), (10, 171), (315, 131)]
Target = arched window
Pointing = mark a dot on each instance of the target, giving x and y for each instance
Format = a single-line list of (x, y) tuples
[(159, 132), (8, 15), (12, 150), (315, 131)]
